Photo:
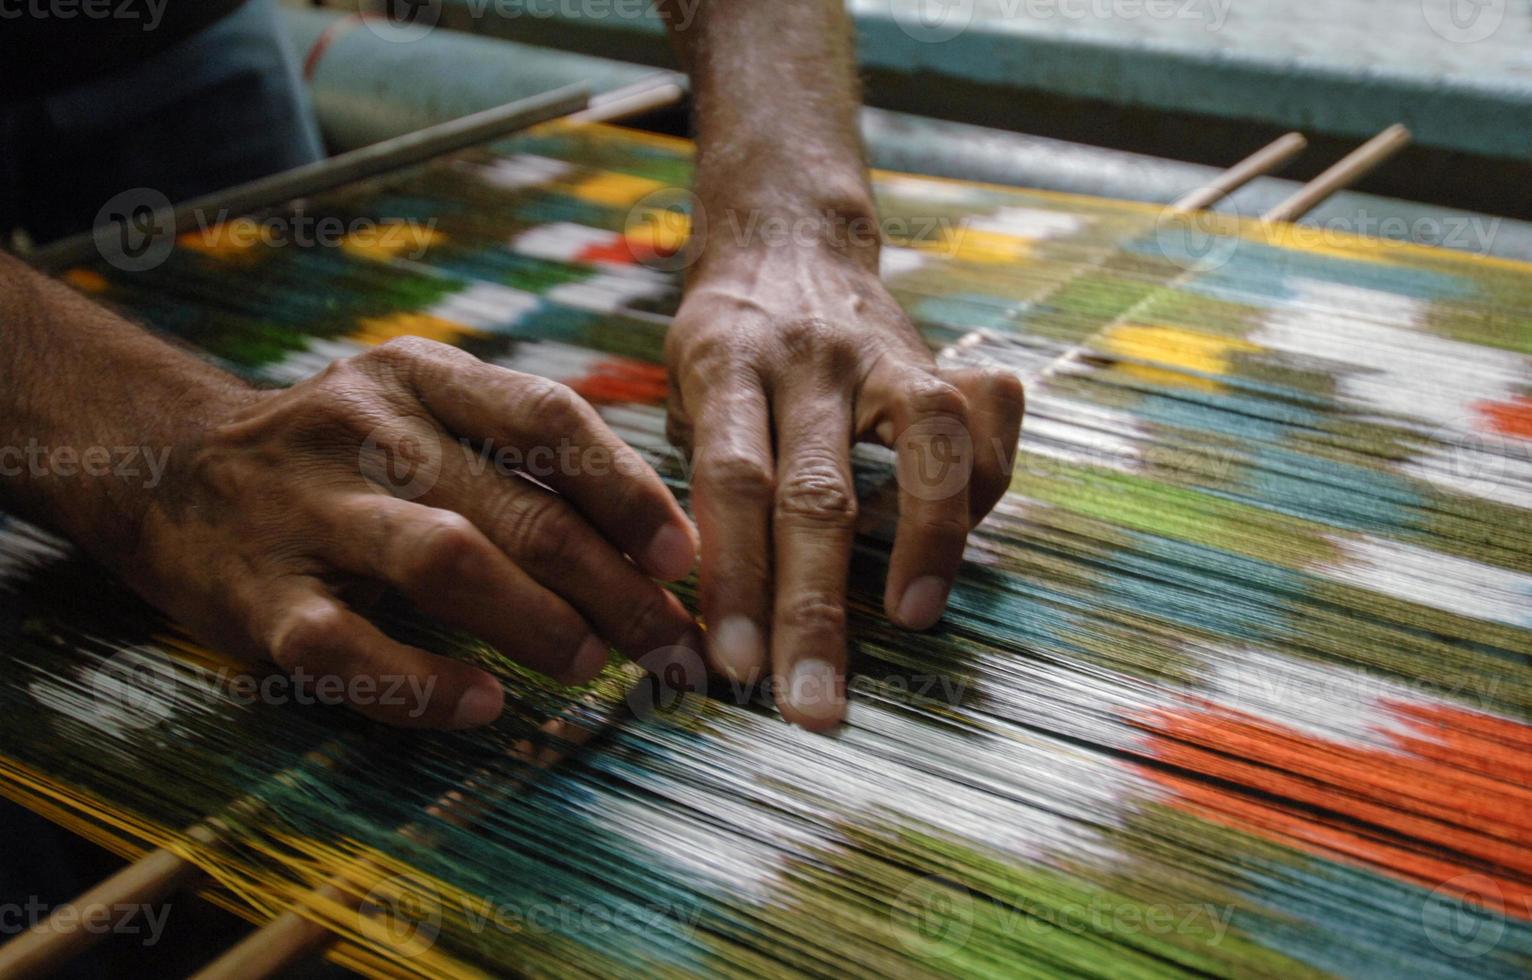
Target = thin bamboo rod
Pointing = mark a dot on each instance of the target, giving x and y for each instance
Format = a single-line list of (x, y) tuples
[(344, 168), (1264, 161), (657, 91), (292, 937), (1356, 165), (1311, 195), (151, 879), (50, 944)]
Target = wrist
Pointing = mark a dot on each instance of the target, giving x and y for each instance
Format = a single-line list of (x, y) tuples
[(104, 493), (819, 227)]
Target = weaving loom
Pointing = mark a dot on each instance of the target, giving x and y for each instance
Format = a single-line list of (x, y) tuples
[(1235, 680)]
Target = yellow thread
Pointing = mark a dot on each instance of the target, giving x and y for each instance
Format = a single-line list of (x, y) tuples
[(1174, 347), (226, 241), (376, 330), (86, 280), (390, 239)]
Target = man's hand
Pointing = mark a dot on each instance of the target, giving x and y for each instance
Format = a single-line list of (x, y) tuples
[(781, 358), (380, 470), (785, 352), (399, 467)]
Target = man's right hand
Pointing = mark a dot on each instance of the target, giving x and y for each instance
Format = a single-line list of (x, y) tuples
[(382, 470)]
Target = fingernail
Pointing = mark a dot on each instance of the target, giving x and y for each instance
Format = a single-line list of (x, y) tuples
[(588, 661), (670, 554), (924, 601), (738, 646), (479, 705), (813, 690)]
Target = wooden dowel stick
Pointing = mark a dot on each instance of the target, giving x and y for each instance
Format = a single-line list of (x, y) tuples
[(1264, 161), (1356, 165), (344, 168), (52, 943), (645, 95), (148, 881), (292, 937)]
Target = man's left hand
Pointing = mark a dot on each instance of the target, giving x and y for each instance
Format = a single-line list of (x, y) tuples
[(782, 357)]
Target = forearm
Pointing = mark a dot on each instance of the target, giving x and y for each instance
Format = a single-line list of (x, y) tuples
[(776, 117), (92, 411)]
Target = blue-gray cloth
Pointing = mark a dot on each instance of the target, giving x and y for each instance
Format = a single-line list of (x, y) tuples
[(221, 107)]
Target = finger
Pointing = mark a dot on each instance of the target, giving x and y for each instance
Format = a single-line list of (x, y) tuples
[(732, 495), (561, 441), (813, 523), (996, 406), (450, 570), (552, 542), (312, 632), (926, 421)]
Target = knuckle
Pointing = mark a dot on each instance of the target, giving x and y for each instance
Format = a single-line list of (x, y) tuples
[(450, 550), (817, 340), (307, 632), (709, 353), (555, 406), (933, 396), (817, 491), (402, 361), (1006, 387), (735, 474), (405, 350), (815, 616), (806, 333), (541, 530), (343, 374)]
